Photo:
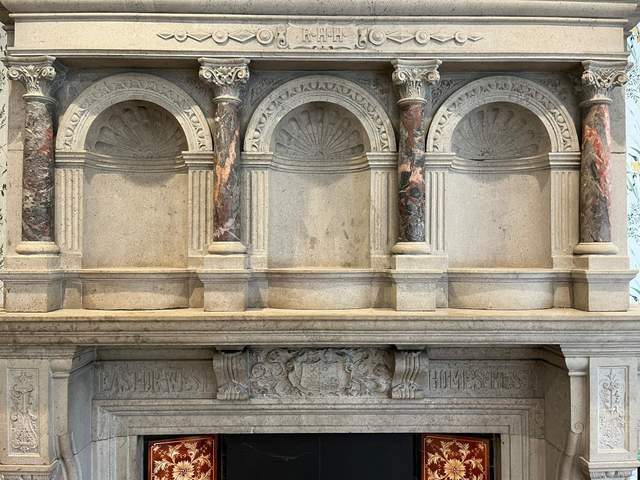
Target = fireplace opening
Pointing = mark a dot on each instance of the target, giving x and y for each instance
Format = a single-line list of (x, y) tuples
[(323, 456)]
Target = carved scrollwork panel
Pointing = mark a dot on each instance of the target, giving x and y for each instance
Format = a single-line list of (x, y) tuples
[(24, 426)]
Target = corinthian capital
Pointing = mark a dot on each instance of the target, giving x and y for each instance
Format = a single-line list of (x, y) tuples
[(37, 73), (413, 77), (599, 79), (225, 76)]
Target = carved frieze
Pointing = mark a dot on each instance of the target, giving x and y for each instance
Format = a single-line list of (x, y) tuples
[(612, 408), (464, 378), (323, 36), (24, 429), (148, 379), (354, 372)]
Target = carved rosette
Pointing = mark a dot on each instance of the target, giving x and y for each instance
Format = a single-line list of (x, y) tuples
[(412, 79), (226, 77)]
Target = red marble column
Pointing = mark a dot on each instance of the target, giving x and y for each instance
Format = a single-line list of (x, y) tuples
[(226, 77), (598, 79), (412, 78), (37, 74)]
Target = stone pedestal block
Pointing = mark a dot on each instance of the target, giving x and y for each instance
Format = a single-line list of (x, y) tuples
[(226, 282), (415, 290), (601, 283), (32, 283)]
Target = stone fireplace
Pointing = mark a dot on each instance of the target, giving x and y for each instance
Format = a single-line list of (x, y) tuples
[(290, 218)]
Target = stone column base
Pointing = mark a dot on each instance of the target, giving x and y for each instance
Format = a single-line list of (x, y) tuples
[(226, 282)]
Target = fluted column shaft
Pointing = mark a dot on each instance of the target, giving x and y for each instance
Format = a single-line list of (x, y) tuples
[(596, 83), (37, 74), (412, 78), (226, 77)]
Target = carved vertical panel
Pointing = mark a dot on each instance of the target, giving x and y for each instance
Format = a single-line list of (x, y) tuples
[(564, 211), (612, 408), (68, 215), (436, 184), (200, 210), (22, 400)]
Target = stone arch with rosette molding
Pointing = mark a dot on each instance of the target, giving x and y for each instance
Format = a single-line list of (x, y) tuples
[(79, 116), (319, 88), (541, 102)]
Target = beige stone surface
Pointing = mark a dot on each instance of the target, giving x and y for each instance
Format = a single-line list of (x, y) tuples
[(142, 325)]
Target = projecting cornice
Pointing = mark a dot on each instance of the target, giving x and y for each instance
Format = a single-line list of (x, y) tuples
[(542, 8)]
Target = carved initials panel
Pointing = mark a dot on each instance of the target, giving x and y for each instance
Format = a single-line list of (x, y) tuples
[(24, 429)]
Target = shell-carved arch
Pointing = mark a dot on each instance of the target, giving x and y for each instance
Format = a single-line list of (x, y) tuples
[(79, 116), (319, 88), (526, 93)]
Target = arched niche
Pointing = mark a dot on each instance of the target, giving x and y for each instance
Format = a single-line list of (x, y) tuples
[(259, 136), (499, 135), (534, 97), (330, 152), (79, 116), (135, 189), (123, 134)]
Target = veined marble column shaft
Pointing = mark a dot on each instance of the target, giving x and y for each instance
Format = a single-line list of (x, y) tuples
[(412, 78), (37, 74), (598, 79), (226, 77)]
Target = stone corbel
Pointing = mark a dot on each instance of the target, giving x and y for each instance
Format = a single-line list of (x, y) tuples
[(231, 368), (409, 374)]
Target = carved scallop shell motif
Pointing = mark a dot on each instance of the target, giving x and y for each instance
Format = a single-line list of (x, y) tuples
[(139, 130), (320, 131), (500, 131)]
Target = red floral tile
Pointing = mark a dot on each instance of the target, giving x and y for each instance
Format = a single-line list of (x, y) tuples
[(454, 458), (188, 458)]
